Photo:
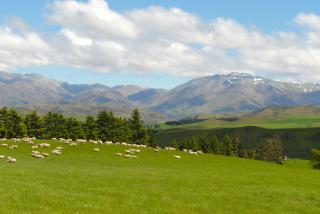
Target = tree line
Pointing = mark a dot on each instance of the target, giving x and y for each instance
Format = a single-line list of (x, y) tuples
[(270, 149), (103, 126)]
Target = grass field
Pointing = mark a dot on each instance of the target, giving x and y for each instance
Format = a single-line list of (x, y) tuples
[(82, 181)]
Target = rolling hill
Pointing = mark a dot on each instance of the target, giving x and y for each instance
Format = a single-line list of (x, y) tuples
[(152, 183)]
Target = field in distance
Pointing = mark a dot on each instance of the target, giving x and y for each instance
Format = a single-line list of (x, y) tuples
[(270, 118), (84, 181)]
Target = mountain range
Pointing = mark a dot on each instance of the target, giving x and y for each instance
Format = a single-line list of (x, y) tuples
[(234, 92)]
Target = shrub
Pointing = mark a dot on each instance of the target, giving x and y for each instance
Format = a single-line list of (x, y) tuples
[(315, 158)]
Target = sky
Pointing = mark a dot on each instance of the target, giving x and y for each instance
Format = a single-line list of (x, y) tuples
[(159, 44)]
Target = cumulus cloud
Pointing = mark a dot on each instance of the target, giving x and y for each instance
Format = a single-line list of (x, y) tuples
[(21, 49), (93, 36)]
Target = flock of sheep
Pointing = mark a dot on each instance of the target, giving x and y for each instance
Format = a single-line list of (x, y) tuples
[(131, 152)]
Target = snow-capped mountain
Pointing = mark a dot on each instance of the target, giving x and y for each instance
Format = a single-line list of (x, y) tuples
[(211, 94)]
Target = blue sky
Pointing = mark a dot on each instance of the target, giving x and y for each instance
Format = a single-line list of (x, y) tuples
[(267, 17)]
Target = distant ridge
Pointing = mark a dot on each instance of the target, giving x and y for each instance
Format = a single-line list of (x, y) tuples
[(234, 92)]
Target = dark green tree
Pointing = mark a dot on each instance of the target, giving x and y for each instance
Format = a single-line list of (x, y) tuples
[(174, 144), (315, 158), (90, 128), (55, 126), (204, 145), (215, 146), (270, 150), (193, 144), (227, 144), (105, 122), (34, 125), (74, 129), (235, 146), (139, 133)]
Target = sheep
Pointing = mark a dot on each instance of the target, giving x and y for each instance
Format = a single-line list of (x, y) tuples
[(130, 156), (4, 145), (56, 152), (44, 145), (11, 160), (73, 144), (35, 152), (35, 147), (119, 154), (2, 156), (13, 147), (37, 156), (177, 156), (59, 148), (96, 149), (156, 150), (129, 151), (45, 154), (30, 143)]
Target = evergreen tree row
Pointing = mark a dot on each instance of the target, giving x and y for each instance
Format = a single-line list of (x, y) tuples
[(104, 126), (270, 149)]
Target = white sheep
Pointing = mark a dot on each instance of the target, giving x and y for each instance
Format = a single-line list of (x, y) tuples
[(2, 156), (119, 154), (56, 152), (96, 149), (11, 160), (177, 156)]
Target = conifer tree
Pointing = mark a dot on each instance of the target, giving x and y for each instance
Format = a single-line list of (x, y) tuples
[(139, 133)]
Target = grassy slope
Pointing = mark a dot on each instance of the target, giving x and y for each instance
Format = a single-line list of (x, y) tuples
[(81, 181), (298, 121)]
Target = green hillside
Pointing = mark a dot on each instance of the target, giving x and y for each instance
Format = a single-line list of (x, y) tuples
[(296, 142), (270, 118), (152, 183)]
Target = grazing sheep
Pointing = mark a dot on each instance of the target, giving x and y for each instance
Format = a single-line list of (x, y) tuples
[(45, 154), (40, 156), (44, 145), (59, 148), (13, 147), (56, 152), (2, 157), (177, 156), (96, 149), (119, 154), (35, 147), (130, 156), (30, 143), (4, 145), (35, 152), (11, 160), (156, 150)]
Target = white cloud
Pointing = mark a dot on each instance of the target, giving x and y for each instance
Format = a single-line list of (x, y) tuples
[(310, 20), (21, 49), (95, 37)]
